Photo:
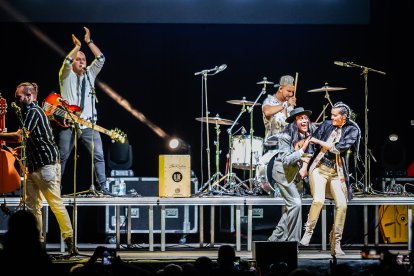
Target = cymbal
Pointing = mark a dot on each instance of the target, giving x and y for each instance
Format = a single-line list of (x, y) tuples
[(326, 89), (264, 81), (215, 120), (242, 102)]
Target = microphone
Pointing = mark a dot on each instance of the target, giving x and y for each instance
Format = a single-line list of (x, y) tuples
[(216, 69), (16, 108), (340, 63), (221, 68), (84, 68)]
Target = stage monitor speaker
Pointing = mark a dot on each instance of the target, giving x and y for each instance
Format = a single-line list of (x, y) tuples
[(174, 175), (266, 253)]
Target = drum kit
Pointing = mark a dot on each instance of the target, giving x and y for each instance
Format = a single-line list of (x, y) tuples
[(246, 152)]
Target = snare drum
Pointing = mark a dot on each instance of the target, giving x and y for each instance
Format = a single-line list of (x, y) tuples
[(241, 151), (264, 172)]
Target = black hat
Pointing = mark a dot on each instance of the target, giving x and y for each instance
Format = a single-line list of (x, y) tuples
[(295, 112)]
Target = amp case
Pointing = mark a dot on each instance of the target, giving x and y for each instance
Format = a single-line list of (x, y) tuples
[(178, 219)]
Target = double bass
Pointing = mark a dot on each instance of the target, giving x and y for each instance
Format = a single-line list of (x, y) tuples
[(9, 176)]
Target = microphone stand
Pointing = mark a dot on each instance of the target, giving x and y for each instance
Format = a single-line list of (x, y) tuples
[(76, 131), (204, 74), (93, 100), (23, 157), (365, 71)]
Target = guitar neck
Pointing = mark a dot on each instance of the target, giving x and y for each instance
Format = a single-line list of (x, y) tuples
[(90, 125)]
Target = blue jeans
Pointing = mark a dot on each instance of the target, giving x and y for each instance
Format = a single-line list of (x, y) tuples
[(66, 144)]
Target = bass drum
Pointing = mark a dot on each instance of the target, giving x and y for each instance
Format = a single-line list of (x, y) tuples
[(264, 168)]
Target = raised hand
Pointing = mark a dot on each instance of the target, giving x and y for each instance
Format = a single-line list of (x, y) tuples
[(87, 37), (76, 41)]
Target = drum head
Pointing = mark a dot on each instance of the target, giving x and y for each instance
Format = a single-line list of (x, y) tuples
[(269, 171)]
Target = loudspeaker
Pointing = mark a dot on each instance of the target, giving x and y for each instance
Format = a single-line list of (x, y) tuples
[(266, 253), (174, 174), (179, 219)]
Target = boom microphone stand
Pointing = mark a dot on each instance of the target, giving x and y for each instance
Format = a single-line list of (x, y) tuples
[(365, 71), (204, 74)]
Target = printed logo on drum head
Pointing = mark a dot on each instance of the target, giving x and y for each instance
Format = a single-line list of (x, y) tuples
[(177, 177)]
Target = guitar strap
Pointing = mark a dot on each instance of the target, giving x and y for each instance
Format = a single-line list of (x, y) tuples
[(83, 88)]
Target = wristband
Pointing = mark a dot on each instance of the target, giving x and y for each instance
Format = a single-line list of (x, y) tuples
[(89, 42)]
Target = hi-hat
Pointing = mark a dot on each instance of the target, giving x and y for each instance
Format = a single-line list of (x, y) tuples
[(327, 89), (215, 120), (242, 102)]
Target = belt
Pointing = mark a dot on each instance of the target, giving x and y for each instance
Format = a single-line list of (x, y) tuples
[(328, 162)]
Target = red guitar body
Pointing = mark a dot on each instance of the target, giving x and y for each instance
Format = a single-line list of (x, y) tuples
[(56, 109)]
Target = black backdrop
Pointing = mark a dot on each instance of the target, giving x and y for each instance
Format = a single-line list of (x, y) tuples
[(152, 66)]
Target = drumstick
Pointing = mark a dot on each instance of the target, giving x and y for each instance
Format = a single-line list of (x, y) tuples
[(296, 84)]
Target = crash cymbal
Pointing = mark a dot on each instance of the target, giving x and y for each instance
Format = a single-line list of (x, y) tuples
[(215, 120), (242, 102), (327, 89), (264, 81)]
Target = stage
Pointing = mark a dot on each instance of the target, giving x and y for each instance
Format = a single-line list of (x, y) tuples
[(241, 204)]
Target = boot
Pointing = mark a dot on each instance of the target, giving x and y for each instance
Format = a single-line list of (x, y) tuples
[(309, 227), (72, 250), (335, 238)]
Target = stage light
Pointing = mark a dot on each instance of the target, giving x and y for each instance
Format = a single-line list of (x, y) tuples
[(178, 146), (393, 156), (393, 137), (174, 143)]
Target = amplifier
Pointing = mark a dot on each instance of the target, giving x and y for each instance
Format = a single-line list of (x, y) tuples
[(179, 219)]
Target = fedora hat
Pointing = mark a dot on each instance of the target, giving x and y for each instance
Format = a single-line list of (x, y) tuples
[(295, 112), (285, 80)]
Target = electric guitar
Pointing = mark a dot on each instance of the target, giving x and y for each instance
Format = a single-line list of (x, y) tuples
[(58, 110)]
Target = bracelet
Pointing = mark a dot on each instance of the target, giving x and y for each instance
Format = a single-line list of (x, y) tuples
[(89, 42), (69, 59)]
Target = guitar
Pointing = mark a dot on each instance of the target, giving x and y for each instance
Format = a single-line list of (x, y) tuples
[(58, 110)]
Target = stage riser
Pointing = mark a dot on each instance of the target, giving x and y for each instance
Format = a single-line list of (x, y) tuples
[(179, 219)]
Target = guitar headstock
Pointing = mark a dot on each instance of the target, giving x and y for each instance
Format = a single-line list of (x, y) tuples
[(3, 105), (118, 135)]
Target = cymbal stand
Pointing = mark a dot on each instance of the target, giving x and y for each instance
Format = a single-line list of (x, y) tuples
[(365, 71), (230, 176), (216, 178), (322, 114), (250, 110), (327, 94)]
